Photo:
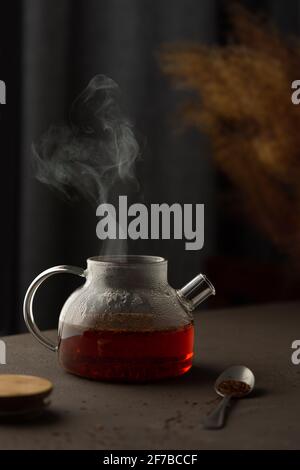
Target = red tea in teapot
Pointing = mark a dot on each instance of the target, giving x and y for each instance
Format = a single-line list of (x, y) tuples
[(125, 322), (124, 355)]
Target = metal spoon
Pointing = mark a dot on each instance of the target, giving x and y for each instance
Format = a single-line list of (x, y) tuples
[(234, 382)]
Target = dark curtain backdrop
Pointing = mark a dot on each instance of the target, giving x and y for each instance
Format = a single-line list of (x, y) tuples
[(50, 49)]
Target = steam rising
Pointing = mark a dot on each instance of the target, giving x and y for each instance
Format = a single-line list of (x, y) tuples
[(96, 150)]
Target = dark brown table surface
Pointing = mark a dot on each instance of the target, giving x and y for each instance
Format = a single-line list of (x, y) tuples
[(90, 415)]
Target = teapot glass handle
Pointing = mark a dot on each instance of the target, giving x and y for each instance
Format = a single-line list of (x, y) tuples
[(28, 301)]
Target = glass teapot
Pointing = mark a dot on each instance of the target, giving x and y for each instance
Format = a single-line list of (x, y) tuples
[(125, 323)]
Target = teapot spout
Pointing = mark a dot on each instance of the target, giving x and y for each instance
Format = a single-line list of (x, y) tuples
[(196, 291)]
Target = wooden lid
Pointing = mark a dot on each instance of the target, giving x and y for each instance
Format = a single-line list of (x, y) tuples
[(22, 393)]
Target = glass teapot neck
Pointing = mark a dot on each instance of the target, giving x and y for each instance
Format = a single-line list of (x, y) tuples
[(128, 270)]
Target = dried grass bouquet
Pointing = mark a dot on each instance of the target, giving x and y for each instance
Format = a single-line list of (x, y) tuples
[(242, 100)]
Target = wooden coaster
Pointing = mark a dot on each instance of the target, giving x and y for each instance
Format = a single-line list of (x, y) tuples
[(22, 393)]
